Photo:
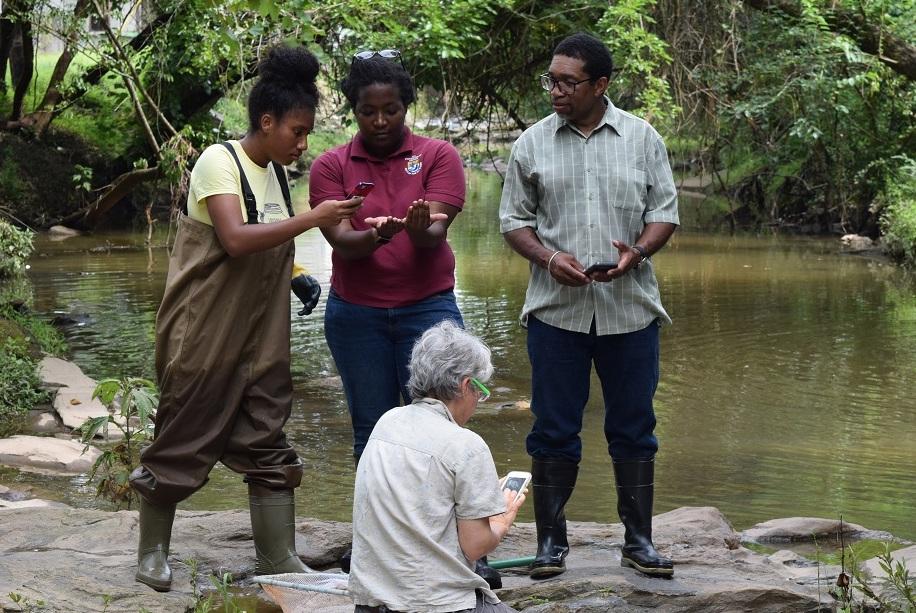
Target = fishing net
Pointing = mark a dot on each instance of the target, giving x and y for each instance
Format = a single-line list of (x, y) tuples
[(308, 592)]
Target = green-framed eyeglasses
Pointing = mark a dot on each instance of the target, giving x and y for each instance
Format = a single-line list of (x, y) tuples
[(484, 392)]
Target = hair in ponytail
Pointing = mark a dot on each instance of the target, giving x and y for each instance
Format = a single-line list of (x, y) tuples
[(286, 82)]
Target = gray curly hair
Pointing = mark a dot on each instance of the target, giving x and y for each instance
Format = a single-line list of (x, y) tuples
[(442, 358)]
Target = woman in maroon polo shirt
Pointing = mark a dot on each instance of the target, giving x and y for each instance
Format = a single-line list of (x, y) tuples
[(393, 271)]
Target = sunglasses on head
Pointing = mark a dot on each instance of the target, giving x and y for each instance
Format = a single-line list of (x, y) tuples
[(388, 54)]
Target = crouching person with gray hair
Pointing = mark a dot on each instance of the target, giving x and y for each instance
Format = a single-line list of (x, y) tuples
[(427, 501)]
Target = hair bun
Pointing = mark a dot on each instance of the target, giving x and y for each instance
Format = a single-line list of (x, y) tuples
[(290, 64)]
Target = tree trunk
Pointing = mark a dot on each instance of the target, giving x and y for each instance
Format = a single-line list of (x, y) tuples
[(90, 216), (44, 113)]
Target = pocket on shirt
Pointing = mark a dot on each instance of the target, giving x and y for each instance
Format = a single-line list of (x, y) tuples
[(630, 192)]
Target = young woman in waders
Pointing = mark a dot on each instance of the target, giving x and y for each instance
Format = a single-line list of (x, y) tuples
[(223, 328)]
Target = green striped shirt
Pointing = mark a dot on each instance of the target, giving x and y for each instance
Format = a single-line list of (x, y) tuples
[(579, 194)]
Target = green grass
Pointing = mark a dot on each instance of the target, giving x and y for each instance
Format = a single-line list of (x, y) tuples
[(92, 119), (49, 339)]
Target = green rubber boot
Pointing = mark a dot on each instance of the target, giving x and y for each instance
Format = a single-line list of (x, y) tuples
[(273, 525), (153, 551)]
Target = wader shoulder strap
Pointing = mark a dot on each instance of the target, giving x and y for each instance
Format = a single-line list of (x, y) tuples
[(284, 186), (251, 204)]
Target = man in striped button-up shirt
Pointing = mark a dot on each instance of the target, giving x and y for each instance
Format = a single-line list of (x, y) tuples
[(590, 184)]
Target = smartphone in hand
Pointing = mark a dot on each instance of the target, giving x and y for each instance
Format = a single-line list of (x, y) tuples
[(600, 267), (517, 481), (361, 189)]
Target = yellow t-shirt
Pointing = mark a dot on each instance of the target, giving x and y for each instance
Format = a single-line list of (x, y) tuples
[(216, 173)]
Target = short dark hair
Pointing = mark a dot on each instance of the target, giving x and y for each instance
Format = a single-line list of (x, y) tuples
[(287, 82), (364, 73), (594, 53)]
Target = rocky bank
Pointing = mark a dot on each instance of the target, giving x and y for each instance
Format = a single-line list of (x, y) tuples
[(77, 560)]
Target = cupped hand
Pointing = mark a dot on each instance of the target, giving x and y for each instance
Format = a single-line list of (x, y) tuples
[(567, 270), (331, 212), (385, 226)]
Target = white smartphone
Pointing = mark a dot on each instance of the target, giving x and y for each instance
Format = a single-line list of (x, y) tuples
[(517, 481)]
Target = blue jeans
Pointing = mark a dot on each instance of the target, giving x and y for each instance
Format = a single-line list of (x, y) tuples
[(561, 364), (371, 347)]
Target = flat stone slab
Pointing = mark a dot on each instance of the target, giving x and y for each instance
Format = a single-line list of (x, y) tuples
[(55, 372), (75, 405), (46, 454), (795, 529)]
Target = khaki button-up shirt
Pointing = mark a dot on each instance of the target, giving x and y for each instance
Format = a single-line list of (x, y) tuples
[(580, 193), (420, 473)]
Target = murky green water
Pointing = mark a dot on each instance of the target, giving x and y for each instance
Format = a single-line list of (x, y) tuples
[(786, 386)]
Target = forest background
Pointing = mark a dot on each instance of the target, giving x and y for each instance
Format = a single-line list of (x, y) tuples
[(797, 114)]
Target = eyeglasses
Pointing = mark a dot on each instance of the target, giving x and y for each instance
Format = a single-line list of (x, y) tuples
[(484, 392), (388, 54), (566, 87)]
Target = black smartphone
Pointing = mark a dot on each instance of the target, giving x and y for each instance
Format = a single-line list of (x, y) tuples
[(362, 189), (600, 267)]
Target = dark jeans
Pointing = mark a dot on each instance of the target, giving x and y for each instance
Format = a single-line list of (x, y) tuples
[(561, 364), (371, 347)]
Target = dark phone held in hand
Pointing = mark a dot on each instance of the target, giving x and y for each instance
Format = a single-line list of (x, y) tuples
[(600, 267)]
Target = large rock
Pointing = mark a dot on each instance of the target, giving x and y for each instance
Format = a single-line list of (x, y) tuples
[(47, 455), (907, 556), (87, 554), (793, 529), (55, 372)]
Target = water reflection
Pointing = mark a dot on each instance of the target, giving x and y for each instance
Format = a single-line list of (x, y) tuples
[(784, 384)]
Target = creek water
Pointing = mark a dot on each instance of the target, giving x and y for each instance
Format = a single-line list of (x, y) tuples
[(786, 386)]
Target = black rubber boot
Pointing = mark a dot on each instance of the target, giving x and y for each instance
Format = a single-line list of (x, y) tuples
[(489, 574), (552, 483), (635, 489), (273, 526), (153, 550)]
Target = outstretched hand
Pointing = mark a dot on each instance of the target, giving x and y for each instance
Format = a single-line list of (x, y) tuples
[(385, 226), (418, 217)]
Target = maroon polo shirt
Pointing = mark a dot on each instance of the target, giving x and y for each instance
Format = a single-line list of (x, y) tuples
[(399, 273)]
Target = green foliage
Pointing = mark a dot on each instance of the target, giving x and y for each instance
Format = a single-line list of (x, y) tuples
[(828, 121), (20, 388), (82, 177), (12, 187), (25, 603), (896, 593), (48, 338), (643, 54), (15, 249), (132, 403), (898, 220)]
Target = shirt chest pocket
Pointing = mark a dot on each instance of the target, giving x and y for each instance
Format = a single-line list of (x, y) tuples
[(626, 188)]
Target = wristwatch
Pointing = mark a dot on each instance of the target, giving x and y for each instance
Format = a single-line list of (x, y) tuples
[(643, 254)]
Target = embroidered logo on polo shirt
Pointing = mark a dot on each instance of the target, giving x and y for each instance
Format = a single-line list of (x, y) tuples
[(414, 165)]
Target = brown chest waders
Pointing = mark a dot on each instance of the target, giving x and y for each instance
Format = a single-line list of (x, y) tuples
[(222, 363)]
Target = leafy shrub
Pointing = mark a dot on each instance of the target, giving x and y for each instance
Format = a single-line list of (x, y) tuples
[(19, 386), (15, 248), (898, 223), (133, 401)]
